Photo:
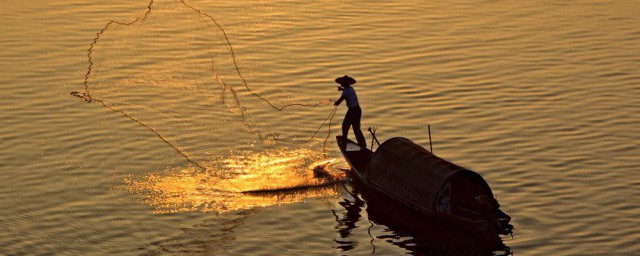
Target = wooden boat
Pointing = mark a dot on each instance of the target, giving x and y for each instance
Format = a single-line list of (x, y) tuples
[(405, 172), (416, 233)]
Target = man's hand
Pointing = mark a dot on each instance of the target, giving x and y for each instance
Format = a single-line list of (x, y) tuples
[(340, 88)]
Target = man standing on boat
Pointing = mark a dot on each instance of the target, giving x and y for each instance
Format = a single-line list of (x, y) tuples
[(354, 113)]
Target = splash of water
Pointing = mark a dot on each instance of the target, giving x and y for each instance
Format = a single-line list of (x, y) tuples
[(250, 180)]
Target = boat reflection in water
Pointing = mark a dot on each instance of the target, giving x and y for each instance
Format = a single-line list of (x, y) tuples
[(403, 227)]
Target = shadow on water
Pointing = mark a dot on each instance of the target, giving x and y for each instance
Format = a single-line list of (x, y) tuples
[(404, 228), (220, 233), (211, 237)]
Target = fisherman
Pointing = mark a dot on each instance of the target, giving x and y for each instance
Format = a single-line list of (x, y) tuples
[(354, 113)]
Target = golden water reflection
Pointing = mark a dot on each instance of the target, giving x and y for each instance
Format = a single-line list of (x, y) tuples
[(245, 180)]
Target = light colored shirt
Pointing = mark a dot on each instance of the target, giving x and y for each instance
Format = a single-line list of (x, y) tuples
[(349, 94)]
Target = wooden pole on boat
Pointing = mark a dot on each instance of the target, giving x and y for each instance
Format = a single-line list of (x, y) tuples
[(430, 144), (372, 137)]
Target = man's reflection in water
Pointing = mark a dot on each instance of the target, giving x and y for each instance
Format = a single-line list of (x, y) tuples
[(346, 223)]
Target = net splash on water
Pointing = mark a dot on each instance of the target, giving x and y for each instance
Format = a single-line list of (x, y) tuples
[(250, 180)]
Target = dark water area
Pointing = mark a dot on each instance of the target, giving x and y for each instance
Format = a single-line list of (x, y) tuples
[(541, 98)]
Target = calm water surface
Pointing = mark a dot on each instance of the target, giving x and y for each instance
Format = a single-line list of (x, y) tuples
[(540, 97)]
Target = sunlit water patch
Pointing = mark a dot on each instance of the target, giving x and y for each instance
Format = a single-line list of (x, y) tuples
[(245, 180)]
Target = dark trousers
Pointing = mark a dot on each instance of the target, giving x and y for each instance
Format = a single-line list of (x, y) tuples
[(352, 118)]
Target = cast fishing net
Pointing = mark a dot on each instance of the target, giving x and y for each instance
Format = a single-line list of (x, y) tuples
[(174, 70)]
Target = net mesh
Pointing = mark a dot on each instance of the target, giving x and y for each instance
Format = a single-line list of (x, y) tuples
[(174, 70)]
